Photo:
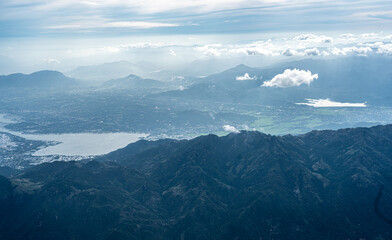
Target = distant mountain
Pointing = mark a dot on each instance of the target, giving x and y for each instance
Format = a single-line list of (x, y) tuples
[(320, 185), (42, 79), (106, 71), (134, 83), (351, 79)]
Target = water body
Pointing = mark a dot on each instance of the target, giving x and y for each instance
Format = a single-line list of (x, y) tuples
[(77, 144)]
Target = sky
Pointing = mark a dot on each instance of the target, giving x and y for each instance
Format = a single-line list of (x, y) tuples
[(64, 34)]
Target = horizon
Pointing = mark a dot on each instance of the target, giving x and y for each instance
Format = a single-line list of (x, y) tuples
[(63, 35)]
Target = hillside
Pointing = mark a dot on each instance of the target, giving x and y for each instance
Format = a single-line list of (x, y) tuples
[(320, 185), (42, 79)]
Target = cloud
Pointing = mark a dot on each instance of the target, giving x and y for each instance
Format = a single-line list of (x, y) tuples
[(245, 77), (328, 103), (312, 52), (289, 52), (381, 48), (360, 51), (291, 78), (305, 45), (138, 24), (262, 48), (51, 61), (211, 49), (313, 38), (121, 24), (150, 6), (389, 37), (172, 53), (347, 35), (229, 128), (369, 35)]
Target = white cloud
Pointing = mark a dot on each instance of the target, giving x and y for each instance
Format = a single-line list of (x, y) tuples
[(305, 45), (361, 51), (328, 103), (263, 48), (369, 35), (245, 77), (389, 37), (347, 35), (172, 53), (122, 24), (291, 78), (312, 52), (229, 128), (152, 6), (289, 52), (51, 61), (138, 24), (211, 49), (381, 48), (313, 38), (91, 3)]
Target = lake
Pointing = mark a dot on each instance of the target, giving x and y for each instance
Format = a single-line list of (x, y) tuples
[(78, 144)]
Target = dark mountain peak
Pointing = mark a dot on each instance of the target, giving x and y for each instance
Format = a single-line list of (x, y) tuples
[(352, 132), (133, 82), (133, 76), (242, 68)]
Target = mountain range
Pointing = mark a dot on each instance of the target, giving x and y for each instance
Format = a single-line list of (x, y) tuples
[(351, 79), (247, 185), (42, 79)]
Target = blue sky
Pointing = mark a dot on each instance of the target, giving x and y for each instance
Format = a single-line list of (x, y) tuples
[(64, 34)]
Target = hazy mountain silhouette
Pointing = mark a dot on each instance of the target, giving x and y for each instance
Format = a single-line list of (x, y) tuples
[(42, 79)]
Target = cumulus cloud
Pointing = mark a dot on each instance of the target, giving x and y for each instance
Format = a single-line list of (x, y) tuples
[(361, 51), (229, 128), (369, 35), (262, 48), (347, 35), (389, 37), (289, 52), (305, 45), (380, 47), (51, 61), (328, 103), (313, 38), (245, 77), (211, 49), (291, 78), (312, 52)]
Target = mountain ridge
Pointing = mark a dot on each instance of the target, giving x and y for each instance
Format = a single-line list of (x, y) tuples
[(40, 79), (248, 185)]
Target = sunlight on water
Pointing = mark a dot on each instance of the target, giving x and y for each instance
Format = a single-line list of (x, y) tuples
[(77, 144)]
